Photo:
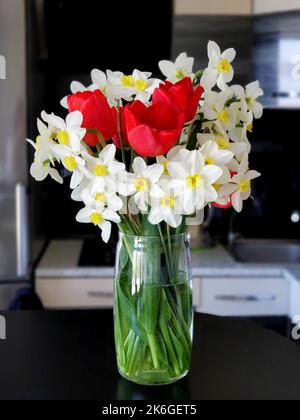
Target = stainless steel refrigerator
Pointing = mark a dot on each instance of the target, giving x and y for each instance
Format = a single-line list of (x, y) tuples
[(14, 250)]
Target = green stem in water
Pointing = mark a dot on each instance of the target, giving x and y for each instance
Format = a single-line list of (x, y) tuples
[(152, 345)]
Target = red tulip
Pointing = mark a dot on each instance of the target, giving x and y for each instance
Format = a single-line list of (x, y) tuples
[(97, 114), (152, 131), (182, 96)]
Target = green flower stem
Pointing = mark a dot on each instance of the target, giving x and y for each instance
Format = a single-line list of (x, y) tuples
[(153, 349), (121, 138), (171, 353)]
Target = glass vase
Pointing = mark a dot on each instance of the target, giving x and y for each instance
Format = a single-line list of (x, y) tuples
[(153, 308)]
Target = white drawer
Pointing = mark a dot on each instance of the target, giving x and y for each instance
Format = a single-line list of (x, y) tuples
[(243, 296), (75, 293)]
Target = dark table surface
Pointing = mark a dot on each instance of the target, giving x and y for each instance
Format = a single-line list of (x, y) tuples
[(70, 355)]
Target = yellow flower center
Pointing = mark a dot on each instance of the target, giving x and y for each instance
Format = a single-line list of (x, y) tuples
[(244, 185), (127, 81), (100, 170), (248, 100), (224, 66), (224, 116), (223, 143), (63, 137), (217, 186), (38, 142), (53, 136), (96, 218), (180, 74), (193, 181), (250, 128), (209, 161), (141, 185), (141, 85), (168, 201), (165, 165), (70, 163), (100, 197)]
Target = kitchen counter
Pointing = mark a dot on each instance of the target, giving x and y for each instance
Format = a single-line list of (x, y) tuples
[(61, 261), (68, 355)]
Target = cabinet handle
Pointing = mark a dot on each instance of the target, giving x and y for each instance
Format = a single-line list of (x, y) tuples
[(246, 298), (103, 295), (22, 242)]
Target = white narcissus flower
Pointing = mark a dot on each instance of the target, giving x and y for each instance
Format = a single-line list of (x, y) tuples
[(143, 183), (215, 109), (173, 155), (183, 67), (195, 180), (68, 133), (240, 187), (73, 163), (139, 84), (104, 167), (219, 69), (99, 217), (99, 80), (94, 195), (168, 207), (223, 142), (253, 92), (144, 86), (40, 170), (212, 155)]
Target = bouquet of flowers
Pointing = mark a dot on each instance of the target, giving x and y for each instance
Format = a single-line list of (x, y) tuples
[(147, 154)]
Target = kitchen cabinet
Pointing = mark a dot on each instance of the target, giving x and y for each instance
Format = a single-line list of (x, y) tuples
[(213, 7), (242, 296), (272, 6), (83, 293)]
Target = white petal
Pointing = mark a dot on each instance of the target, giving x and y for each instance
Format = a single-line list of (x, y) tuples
[(64, 102), (38, 171), (177, 170), (98, 77), (154, 172), (229, 54), (173, 220), (211, 173), (84, 216), (138, 166), (74, 119), (112, 216), (76, 179), (252, 175), (237, 202), (115, 203), (210, 194), (209, 78), (56, 121), (55, 175), (77, 87), (108, 154), (195, 162), (106, 231), (167, 68), (212, 48), (155, 216)]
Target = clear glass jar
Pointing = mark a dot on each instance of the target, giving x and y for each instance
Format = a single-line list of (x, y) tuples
[(153, 308)]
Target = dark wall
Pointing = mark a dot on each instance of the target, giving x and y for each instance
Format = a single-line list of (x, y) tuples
[(192, 33)]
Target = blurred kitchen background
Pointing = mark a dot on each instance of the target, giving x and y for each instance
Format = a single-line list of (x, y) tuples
[(244, 265)]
